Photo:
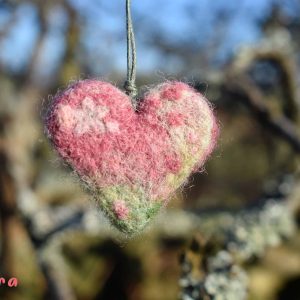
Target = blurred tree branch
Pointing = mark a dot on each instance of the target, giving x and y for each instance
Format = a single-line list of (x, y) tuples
[(16, 247), (242, 89)]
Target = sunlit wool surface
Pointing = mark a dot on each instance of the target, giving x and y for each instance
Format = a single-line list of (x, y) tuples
[(132, 161)]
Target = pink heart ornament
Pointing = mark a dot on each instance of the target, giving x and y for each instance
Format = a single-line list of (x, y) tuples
[(132, 161)]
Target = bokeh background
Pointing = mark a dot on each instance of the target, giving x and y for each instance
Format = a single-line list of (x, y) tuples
[(232, 232)]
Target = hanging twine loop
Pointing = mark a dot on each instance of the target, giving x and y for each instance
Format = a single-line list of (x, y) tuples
[(130, 85)]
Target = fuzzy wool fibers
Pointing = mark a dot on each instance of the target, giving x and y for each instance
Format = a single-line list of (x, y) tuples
[(132, 161)]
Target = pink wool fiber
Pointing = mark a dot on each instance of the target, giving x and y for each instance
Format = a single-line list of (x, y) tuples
[(120, 209), (132, 161)]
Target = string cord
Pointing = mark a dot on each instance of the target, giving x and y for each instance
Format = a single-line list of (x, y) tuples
[(130, 85)]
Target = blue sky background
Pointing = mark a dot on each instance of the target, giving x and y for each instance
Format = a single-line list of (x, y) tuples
[(103, 30)]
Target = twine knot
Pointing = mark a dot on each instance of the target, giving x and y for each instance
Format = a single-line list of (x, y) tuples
[(131, 89)]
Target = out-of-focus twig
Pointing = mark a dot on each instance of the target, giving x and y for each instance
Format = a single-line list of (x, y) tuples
[(242, 89), (16, 247), (211, 267)]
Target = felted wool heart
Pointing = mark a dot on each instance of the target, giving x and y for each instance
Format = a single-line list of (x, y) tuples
[(132, 161)]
